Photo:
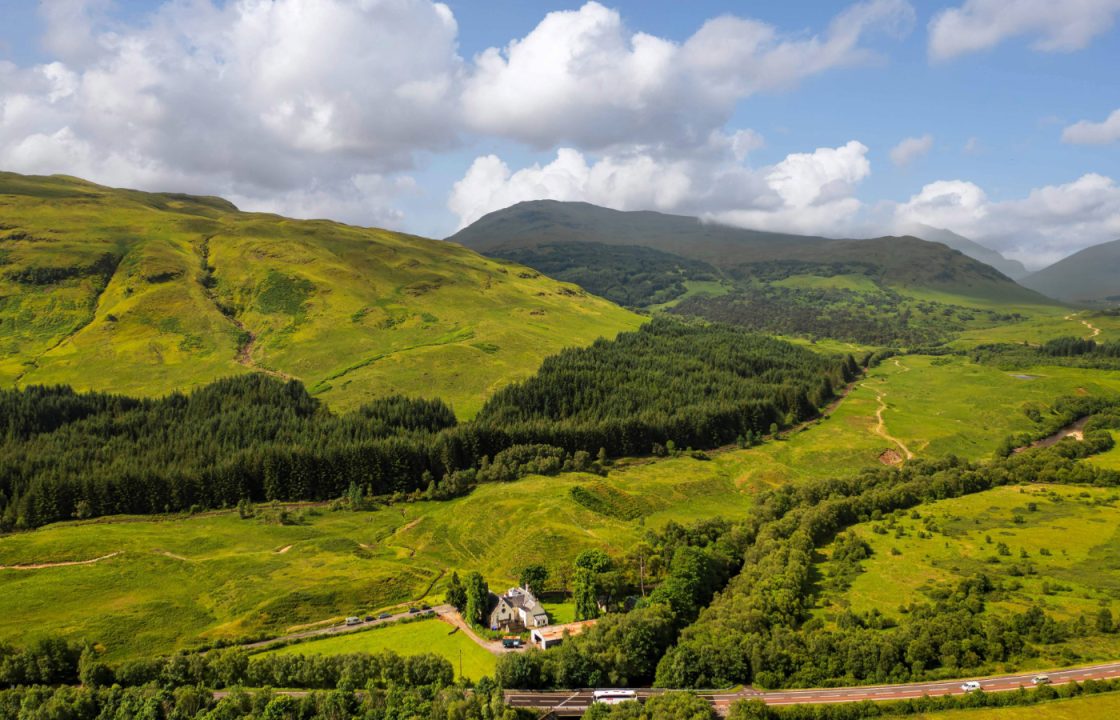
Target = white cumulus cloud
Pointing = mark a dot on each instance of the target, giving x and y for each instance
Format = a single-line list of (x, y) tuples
[(1046, 225), (1091, 133), (1055, 25), (582, 77), (911, 149), (805, 192), (257, 99)]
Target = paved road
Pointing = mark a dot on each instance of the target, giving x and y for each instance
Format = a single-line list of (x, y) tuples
[(573, 703)]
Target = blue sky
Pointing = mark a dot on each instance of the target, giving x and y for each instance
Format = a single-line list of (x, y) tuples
[(204, 96)]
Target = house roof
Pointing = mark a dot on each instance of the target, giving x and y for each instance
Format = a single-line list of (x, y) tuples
[(522, 598)]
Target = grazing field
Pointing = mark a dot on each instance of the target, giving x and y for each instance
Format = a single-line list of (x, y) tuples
[(220, 576), (411, 638), (1110, 459), (223, 577), (1092, 707), (1052, 546)]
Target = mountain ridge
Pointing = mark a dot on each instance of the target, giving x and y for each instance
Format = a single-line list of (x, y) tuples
[(1091, 276), (537, 223)]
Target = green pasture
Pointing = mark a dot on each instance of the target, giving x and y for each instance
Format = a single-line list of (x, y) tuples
[(853, 282), (1067, 535), (411, 638), (1110, 459), (1090, 707)]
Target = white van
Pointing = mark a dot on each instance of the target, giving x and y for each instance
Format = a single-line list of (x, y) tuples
[(353, 620), (970, 686)]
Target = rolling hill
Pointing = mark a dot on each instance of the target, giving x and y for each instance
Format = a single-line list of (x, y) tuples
[(144, 293), (907, 261), (1090, 276), (538, 222)]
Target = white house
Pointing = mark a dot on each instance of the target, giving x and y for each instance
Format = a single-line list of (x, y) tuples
[(517, 608)]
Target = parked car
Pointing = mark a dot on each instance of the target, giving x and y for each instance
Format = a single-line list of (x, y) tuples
[(1041, 680), (425, 607), (369, 617), (970, 686), (384, 616), (413, 611)]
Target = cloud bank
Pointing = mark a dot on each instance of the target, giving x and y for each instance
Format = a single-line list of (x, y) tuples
[(248, 100), (1054, 25), (1046, 225), (1091, 133)]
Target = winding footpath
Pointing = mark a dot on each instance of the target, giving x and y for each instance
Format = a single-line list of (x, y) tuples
[(881, 428), (1094, 330), (65, 563)]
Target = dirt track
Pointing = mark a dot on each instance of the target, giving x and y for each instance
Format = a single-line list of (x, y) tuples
[(66, 563)]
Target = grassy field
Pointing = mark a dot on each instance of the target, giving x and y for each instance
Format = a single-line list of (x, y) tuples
[(144, 293), (1110, 459), (1069, 535), (855, 283), (1093, 707), (693, 288), (413, 638), (220, 576)]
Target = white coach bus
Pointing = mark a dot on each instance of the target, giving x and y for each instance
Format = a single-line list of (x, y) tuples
[(614, 697)]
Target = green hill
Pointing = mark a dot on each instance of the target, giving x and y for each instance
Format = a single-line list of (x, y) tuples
[(1091, 276), (538, 222), (522, 230), (143, 293)]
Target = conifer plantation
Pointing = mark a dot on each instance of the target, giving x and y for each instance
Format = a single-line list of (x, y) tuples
[(78, 455)]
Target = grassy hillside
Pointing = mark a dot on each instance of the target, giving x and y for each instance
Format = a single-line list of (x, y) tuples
[(1047, 546), (524, 229), (220, 576), (141, 293), (539, 222), (874, 291), (1090, 276)]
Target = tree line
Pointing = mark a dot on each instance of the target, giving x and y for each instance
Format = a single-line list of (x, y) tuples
[(1065, 351), (68, 455), (759, 628)]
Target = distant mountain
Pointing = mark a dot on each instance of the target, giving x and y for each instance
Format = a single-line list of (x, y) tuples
[(145, 293), (906, 261), (1011, 268), (541, 222), (1090, 276)]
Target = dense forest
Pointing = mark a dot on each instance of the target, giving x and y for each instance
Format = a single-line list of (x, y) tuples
[(77, 455), (758, 629), (630, 275), (882, 317), (1066, 351)]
